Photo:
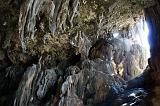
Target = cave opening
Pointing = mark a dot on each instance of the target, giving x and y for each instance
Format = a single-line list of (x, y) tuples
[(137, 35)]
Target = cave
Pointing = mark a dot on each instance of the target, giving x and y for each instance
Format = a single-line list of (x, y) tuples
[(79, 53)]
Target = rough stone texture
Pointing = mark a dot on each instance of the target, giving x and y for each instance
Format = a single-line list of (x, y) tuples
[(128, 57), (90, 86), (55, 35), (101, 49), (35, 85), (49, 24), (152, 16)]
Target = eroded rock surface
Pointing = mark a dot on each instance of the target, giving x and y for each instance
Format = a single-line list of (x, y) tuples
[(54, 55)]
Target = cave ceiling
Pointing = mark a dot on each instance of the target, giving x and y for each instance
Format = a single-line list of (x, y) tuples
[(113, 14), (69, 18), (48, 26)]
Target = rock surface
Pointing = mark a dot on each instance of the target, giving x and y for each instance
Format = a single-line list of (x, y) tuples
[(61, 52)]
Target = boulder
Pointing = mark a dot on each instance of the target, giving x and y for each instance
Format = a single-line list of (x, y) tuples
[(91, 86)]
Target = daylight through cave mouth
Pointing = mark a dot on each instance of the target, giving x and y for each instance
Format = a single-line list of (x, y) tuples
[(136, 49)]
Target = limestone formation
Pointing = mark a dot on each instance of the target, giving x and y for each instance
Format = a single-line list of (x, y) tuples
[(64, 53)]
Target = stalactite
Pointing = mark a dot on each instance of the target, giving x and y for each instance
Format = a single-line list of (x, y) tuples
[(63, 16), (53, 22), (74, 9)]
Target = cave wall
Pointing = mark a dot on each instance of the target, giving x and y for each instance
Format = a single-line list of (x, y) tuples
[(152, 17)]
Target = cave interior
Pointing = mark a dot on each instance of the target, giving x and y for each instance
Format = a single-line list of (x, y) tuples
[(79, 53)]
